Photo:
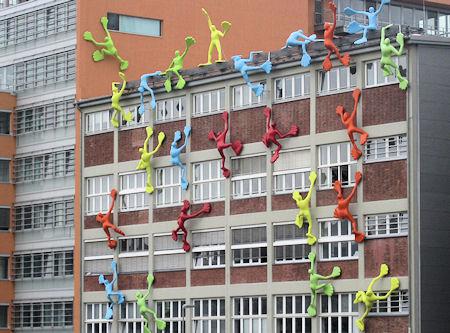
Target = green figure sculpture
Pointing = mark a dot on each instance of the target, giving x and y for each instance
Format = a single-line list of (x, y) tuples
[(314, 279), (176, 65), (215, 39), (144, 163), (107, 47), (145, 311), (387, 50), (303, 205), (369, 297), (115, 102)]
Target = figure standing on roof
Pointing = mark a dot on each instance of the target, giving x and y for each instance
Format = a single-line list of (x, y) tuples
[(176, 65), (240, 64), (215, 39)]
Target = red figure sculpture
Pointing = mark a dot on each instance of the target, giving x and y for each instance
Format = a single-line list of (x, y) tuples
[(342, 211), (105, 221), (183, 217), (349, 121), (329, 44), (221, 145), (272, 132)]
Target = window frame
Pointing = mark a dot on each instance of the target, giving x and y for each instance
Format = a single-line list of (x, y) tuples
[(294, 315), (329, 166), (288, 242), (8, 162), (51, 266), (400, 146), (197, 184), (136, 320), (181, 100), (352, 315), (200, 96), (163, 187), (303, 93), (260, 177), (328, 91), (133, 193), (64, 309), (373, 219), (388, 80), (171, 322), (100, 194), (348, 238), (200, 318), (111, 28), (8, 214), (261, 316), (218, 249), (244, 88), (175, 251), (92, 322), (403, 305), (242, 246), (7, 115), (91, 120)]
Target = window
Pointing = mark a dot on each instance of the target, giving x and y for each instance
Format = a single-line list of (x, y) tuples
[(4, 218), (375, 76), (40, 265), (209, 102), (290, 87), (7, 77), (138, 119), (337, 79), (4, 171), (208, 249), (249, 246), (249, 176), (132, 192), (386, 149), (384, 225), (43, 314), (4, 268), (171, 109), (291, 172), (396, 304), (336, 163), (44, 215), (168, 186), (336, 241), (209, 316), (168, 255), (97, 258), (97, 197), (250, 314), (291, 314), (290, 243), (209, 183), (338, 314), (3, 316), (4, 122), (134, 25), (130, 318), (243, 97), (133, 254), (98, 121), (172, 313), (95, 312)]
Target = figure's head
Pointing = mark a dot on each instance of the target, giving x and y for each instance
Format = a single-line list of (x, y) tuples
[(139, 295), (340, 110), (186, 206), (177, 136), (387, 41), (99, 217), (141, 150), (213, 27), (297, 196), (101, 279), (177, 53), (327, 26), (371, 10), (141, 89), (236, 58), (338, 188), (114, 88), (358, 297)]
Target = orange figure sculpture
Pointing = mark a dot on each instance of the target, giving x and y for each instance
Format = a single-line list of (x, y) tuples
[(350, 124), (104, 220), (183, 217), (329, 44), (272, 132), (342, 211)]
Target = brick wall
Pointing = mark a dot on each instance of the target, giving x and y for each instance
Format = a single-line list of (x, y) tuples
[(91, 283), (129, 143), (329, 197), (169, 129), (290, 272), (284, 201), (249, 205), (391, 251), (200, 129), (385, 180), (166, 213), (98, 149), (207, 277), (292, 113), (382, 105), (217, 208), (134, 217), (253, 274), (170, 279), (132, 281), (326, 118), (91, 223), (248, 125), (386, 324), (349, 268)]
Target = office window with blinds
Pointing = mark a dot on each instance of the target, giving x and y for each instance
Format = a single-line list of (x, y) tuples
[(168, 255), (133, 254), (97, 258), (208, 249), (291, 172)]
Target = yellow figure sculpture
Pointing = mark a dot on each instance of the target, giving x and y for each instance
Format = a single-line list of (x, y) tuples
[(144, 163), (369, 297), (115, 102), (303, 205), (215, 39), (176, 65)]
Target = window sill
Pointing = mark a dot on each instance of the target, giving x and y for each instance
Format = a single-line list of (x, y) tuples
[(386, 236), (208, 201), (389, 314), (398, 158), (134, 126), (335, 92), (380, 85), (207, 268), (338, 259), (291, 99), (199, 115), (133, 210), (247, 265), (179, 204), (262, 195), (247, 107), (134, 34), (157, 122), (291, 262), (99, 132)]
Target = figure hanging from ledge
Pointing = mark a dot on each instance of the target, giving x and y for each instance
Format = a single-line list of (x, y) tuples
[(115, 102), (105, 221), (175, 153), (293, 41), (109, 286), (220, 139), (240, 64), (314, 279), (107, 47), (176, 65), (329, 43), (183, 217), (349, 122), (143, 86), (369, 297), (304, 212), (387, 50), (342, 211), (215, 39), (146, 313), (272, 133), (145, 162)]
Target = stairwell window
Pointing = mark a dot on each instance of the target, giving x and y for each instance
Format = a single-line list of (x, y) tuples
[(134, 25)]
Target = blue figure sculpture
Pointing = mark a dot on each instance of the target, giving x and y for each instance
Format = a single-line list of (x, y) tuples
[(109, 286), (293, 41), (143, 86), (372, 16), (240, 64), (175, 153)]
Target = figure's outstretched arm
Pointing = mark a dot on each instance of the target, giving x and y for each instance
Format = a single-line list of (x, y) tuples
[(397, 52), (308, 196), (97, 43), (251, 55), (161, 137), (334, 9), (114, 268), (195, 214), (124, 83), (209, 19), (381, 7), (350, 11), (352, 193), (111, 206), (383, 31), (150, 279)]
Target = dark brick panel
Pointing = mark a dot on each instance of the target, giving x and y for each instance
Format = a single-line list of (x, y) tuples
[(132, 281), (349, 268), (217, 208), (170, 279), (134, 217), (169, 129), (248, 125), (91, 283), (208, 277), (387, 324), (253, 274), (250, 205), (129, 143), (284, 201), (329, 197), (391, 251), (166, 214), (91, 223), (385, 180), (292, 113), (290, 272), (95, 156), (200, 129), (326, 118)]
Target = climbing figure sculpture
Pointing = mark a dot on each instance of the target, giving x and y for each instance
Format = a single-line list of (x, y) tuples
[(105, 221), (107, 47), (176, 65), (144, 163), (372, 17), (293, 41), (369, 297), (329, 43), (220, 139), (115, 102), (349, 122), (146, 313), (240, 64), (272, 132), (342, 211), (314, 280), (387, 50), (215, 39), (109, 286), (304, 212), (143, 86), (175, 153), (183, 217)]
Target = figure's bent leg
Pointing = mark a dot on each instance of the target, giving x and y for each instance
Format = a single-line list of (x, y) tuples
[(181, 82), (360, 321), (114, 120), (359, 236), (311, 238), (364, 135), (168, 81), (276, 154), (312, 308), (363, 39), (149, 186), (225, 171), (327, 65), (356, 153), (186, 246), (219, 52), (175, 233), (116, 229), (299, 220)]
